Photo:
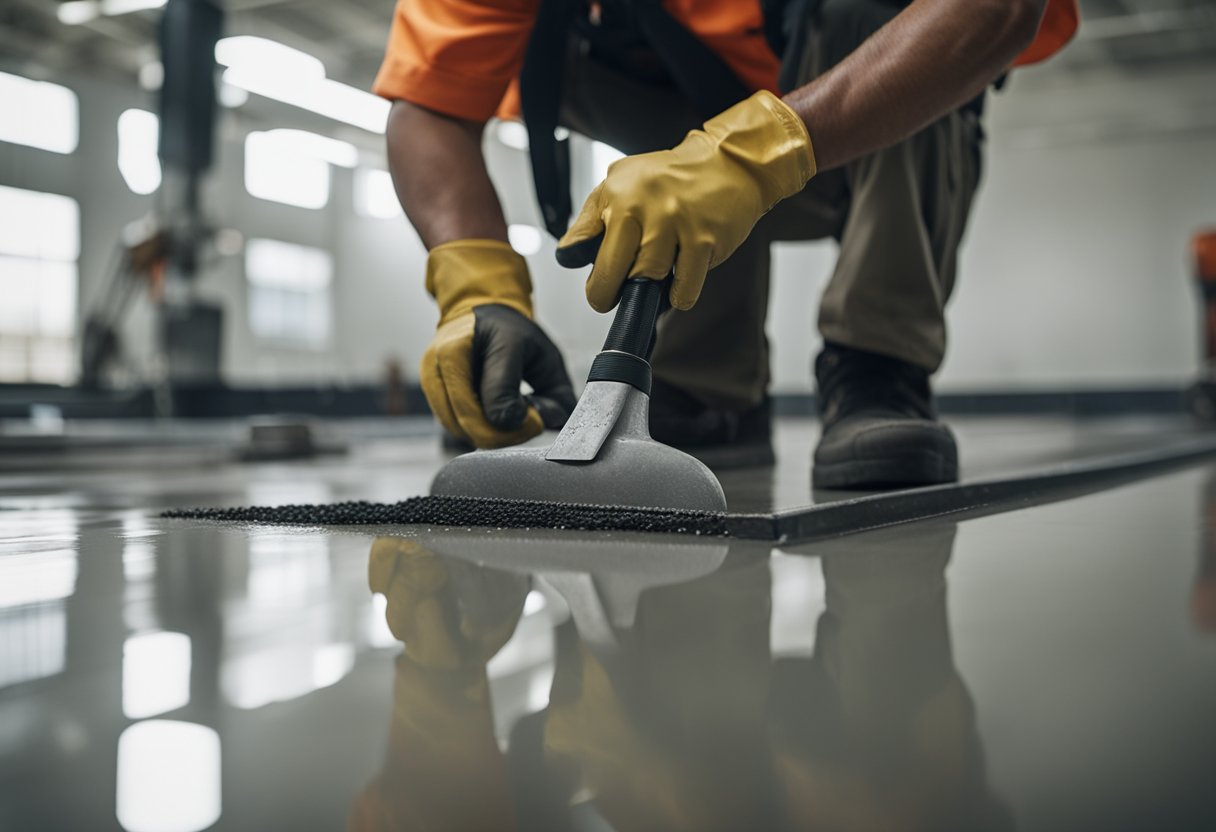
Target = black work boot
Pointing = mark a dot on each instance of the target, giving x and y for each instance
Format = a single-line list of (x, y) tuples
[(879, 426), (719, 438)]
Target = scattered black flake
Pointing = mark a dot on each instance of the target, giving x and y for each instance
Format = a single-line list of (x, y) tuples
[(473, 511)]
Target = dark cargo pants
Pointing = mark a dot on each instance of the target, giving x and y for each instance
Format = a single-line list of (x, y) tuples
[(898, 216)]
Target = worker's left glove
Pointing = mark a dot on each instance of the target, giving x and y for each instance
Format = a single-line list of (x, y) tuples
[(486, 345), (692, 206)]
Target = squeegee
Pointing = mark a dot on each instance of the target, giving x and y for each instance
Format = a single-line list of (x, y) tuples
[(604, 455)]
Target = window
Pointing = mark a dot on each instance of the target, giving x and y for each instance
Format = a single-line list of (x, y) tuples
[(525, 239), (277, 71), (292, 166), (289, 297), (76, 12), (375, 196), (138, 162), (38, 114), (39, 245), (513, 134)]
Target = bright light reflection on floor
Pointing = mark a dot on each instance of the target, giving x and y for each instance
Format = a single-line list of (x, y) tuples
[(155, 674), (33, 643), (378, 632), (280, 674), (168, 777), (138, 550), (286, 570), (138, 560), (534, 603), (330, 663), (539, 685), (37, 577), (798, 600), (529, 648)]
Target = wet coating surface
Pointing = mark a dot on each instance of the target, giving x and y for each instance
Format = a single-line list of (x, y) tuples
[(1049, 668), (184, 464)]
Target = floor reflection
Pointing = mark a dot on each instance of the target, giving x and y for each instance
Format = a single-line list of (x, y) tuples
[(163, 675), (669, 707)]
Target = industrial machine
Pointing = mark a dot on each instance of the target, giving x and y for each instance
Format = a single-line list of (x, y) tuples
[(166, 260)]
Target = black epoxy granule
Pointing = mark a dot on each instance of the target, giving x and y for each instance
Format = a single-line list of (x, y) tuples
[(473, 511)]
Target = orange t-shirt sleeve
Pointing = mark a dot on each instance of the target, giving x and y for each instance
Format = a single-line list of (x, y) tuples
[(457, 57), (1060, 21)]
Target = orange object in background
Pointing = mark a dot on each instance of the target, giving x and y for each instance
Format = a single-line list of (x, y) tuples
[(1203, 248), (1203, 245)]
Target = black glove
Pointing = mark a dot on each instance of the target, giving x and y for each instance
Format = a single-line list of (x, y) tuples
[(509, 348)]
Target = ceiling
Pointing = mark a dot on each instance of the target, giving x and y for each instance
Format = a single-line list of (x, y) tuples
[(349, 35), (1141, 33)]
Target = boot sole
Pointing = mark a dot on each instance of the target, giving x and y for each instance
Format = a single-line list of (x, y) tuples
[(924, 467)]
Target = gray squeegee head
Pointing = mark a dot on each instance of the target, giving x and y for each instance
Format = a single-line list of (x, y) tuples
[(604, 455)]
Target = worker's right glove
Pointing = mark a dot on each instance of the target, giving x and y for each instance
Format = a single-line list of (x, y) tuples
[(689, 208), (486, 344)]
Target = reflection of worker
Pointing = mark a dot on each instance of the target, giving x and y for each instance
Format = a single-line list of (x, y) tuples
[(693, 726), (686, 723), (883, 111), (442, 769), (878, 731), (1203, 596)]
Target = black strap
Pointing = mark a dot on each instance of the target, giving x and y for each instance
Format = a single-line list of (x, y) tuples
[(697, 72), (708, 83), (772, 13), (540, 94)]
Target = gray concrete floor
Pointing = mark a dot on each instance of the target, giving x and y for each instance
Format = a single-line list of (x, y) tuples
[(1040, 669)]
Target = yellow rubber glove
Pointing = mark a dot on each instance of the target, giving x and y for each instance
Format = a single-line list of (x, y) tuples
[(486, 344), (449, 613), (692, 206)]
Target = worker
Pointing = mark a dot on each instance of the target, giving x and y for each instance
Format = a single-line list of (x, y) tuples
[(876, 143)]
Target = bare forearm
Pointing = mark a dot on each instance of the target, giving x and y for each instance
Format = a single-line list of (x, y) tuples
[(440, 176), (933, 57)]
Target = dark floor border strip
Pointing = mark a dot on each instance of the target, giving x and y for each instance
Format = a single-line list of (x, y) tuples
[(1166, 400), (975, 498)]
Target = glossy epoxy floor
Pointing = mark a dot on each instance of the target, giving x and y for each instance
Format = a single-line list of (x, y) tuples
[(1049, 668)]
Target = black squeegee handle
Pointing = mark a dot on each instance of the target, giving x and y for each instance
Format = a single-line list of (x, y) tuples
[(642, 302), (630, 340), (631, 336)]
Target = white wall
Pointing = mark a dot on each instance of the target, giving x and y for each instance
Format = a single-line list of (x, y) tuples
[(1074, 271)]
